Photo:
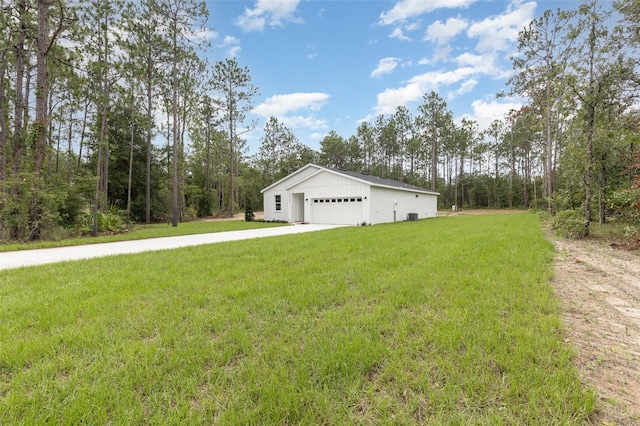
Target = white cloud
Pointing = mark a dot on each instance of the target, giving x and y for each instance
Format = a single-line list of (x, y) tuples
[(308, 122), (441, 53), (408, 9), (268, 12), (499, 32), (317, 136), (233, 51), (485, 64), (486, 111), (468, 59), (230, 40), (287, 108), (466, 87), (442, 32), (399, 34), (417, 86), (232, 45), (385, 66), (280, 105)]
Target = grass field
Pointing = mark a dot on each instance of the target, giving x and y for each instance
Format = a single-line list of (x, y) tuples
[(140, 232), (447, 321)]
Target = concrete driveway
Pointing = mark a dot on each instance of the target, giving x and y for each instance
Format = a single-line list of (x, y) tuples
[(17, 259)]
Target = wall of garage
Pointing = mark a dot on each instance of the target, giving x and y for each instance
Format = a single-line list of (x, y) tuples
[(333, 199), (385, 201)]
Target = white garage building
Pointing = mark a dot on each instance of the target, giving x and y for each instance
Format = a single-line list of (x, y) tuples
[(317, 194)]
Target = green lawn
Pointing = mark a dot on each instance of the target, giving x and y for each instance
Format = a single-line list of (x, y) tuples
[(447, 321), (140, 232)]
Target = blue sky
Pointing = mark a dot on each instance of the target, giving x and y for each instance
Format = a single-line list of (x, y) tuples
[(328, 65)]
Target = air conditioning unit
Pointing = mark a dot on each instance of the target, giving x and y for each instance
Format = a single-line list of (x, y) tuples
[(412, 216)]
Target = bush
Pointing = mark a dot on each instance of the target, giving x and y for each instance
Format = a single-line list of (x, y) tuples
[(570, 224), (111, 221), (626, 204)]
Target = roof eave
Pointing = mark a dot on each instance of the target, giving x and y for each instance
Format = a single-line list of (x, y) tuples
[(288, 176)]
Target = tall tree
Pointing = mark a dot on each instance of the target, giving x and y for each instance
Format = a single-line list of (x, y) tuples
[(495, 134), (102, 21), (20, 88), (403, 124), (366, 138), (181, 18), (435, 121), (148, 51), (44, 43), (600, 75), (209, 146), (236, 91), (6, 31), (278, 154), (545, 47), (334, 151)]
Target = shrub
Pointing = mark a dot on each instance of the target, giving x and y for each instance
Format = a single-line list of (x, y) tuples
[(570, 224), (626, 204), (111, 221)]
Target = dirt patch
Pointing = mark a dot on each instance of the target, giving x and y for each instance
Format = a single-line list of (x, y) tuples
[(238, 216), (599, 291)]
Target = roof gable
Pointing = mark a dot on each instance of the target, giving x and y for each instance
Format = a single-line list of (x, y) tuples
[(292, 175)]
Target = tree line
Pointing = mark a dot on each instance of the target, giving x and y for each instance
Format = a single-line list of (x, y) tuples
[(110, 113)]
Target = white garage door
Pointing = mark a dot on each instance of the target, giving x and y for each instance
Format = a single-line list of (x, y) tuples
[(338, 211)]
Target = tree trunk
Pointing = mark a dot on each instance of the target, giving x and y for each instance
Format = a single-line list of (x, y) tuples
[(602, 192), (174, 151), (19, 107), (130, 170), (589, 169), (231, 160), (147, 207), (434, 163), (591, 118), (96, 198), (69, 146), (83, 132), (548, 149), (103, 149), (4, 131), (41, 119)]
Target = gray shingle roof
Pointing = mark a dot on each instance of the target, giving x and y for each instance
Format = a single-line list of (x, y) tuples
[(378, 181)]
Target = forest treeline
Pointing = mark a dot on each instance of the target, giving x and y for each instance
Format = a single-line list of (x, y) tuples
[(110, 113)]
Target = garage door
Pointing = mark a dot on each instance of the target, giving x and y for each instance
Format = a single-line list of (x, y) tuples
[(338, 211)]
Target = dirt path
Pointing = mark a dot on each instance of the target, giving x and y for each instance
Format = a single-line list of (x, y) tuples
[(599, 291)]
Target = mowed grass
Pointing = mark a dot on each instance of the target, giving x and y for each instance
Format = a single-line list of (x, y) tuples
[(441, 321), (140, 232)]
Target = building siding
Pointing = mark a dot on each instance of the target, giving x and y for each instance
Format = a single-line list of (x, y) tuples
[(318, 195)]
